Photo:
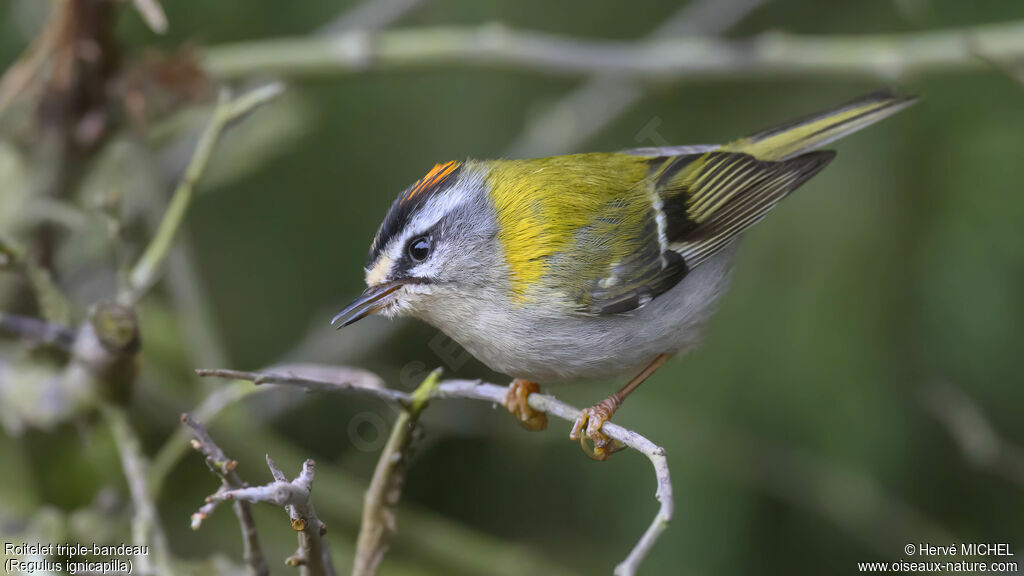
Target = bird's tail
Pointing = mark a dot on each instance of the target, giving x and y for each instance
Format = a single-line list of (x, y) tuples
[(817, 130)]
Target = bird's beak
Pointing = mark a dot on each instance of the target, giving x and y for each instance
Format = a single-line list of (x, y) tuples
[(369, 302)]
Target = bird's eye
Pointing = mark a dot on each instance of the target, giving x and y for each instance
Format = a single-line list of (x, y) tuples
[(419, 248)]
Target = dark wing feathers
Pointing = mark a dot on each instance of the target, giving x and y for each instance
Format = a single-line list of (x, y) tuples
[(705, 200), (725, 193), (636, 279)]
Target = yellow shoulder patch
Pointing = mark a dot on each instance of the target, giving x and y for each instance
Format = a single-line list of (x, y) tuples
[(541, 204)]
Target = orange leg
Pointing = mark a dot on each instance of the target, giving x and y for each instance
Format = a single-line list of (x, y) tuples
[(517, 402), (588, 424)]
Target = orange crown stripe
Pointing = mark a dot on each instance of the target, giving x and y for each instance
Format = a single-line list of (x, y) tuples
[(436, 175)]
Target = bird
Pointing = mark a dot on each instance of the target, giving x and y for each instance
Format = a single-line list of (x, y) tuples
[(589, 265)]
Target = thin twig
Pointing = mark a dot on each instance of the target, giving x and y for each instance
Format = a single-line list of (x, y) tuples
[(770, 55), (476, 390), (379, 523), (53, 304), (224, 468), (29, 65), (38, 331), (176, 446), (590, 108), (978, 440), (549, 404), (228, 111), (465, 550), (146, 528), (312, 556), (328, 379), (153, 14)]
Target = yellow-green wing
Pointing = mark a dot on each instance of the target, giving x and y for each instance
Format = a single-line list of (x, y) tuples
[(683, 212), (607, 233)]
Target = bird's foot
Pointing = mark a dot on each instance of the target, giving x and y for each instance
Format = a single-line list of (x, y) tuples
[(517, 402), (588, 427)]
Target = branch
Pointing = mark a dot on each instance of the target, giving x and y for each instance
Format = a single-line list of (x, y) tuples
[(224, 468), (17, 78), (146, 529), (466, 550), (978, 440), (476, 390), (53, 305), (312, 557), (176, 446), (34, 330), (329, 379), (228, 111), (152, 14), (379, 524), (493, 393), (885, 56)]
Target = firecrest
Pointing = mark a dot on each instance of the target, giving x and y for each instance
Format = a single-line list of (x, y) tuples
[(588, 265)]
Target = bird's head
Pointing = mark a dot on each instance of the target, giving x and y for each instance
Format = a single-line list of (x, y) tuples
[(434, 242)]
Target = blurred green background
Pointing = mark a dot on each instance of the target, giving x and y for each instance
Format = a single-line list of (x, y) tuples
[(802, 436)]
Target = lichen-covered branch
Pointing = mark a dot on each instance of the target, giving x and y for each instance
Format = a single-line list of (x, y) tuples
[(885, 56), (224, 468), (312, 557), (476, 390), (228, 110), (379, 522)]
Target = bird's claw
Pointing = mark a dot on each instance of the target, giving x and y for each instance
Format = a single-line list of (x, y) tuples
[(588, 427), (517, 402)]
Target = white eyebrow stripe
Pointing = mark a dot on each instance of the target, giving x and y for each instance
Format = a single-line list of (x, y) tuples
[(432, 211)]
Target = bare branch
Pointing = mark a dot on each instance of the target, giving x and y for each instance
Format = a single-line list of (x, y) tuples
[(224, 468), (228, 111), (379, 523), (312, 557), (464, 549), (317, 379), (476, 390), (770, 55), (177, 445)]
